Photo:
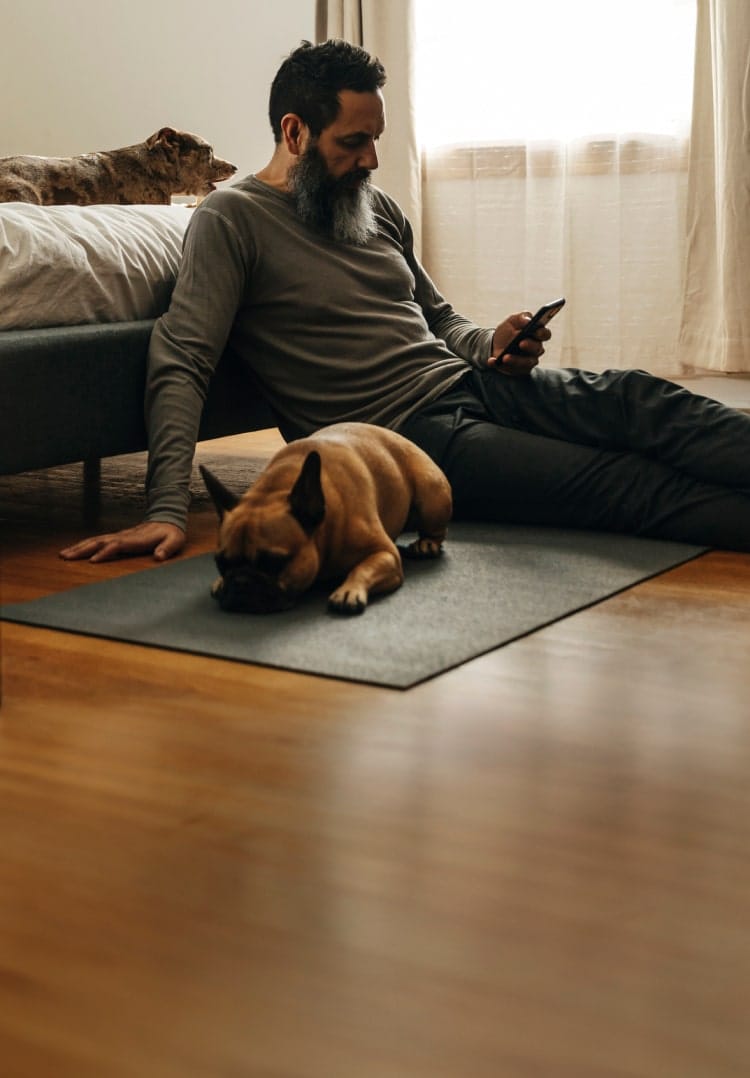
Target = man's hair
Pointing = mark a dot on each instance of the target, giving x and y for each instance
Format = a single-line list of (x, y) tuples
[(309, 81)]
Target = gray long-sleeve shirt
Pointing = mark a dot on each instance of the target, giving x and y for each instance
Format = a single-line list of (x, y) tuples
[(332, 331)]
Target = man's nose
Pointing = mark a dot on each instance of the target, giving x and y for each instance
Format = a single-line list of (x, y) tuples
[(369, 158)]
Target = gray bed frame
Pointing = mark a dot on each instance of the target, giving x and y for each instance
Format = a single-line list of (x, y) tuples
[(75, 393)]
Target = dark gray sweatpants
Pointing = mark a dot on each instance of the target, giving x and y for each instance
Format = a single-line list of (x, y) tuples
[(618, 451)]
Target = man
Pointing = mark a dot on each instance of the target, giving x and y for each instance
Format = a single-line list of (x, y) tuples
[(307, 273)]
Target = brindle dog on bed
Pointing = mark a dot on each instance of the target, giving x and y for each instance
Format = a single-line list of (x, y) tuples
[(168, 163)]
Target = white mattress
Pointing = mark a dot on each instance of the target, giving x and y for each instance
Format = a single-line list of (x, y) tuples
[(67, 265)]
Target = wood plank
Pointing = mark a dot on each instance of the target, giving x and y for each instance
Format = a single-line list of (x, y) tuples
[(535, 864)]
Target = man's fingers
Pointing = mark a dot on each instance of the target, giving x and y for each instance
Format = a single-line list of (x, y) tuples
[(99, 548), (115, 548), (513, 363), (509, 329), (83, 549), (172, 545), (163, 539)]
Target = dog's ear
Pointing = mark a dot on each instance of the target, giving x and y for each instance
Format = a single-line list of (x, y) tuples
[(223, 499), (306, 499), (166, 135)]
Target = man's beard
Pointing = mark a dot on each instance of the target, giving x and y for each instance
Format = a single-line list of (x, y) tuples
[(341, 208)]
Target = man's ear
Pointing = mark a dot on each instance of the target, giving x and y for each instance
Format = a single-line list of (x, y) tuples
[(222, 498), (306, 499), (294, 131)]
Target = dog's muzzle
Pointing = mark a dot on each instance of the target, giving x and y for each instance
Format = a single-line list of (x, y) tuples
[(248, 591)]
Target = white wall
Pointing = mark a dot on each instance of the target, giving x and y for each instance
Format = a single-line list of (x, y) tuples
[(84, 75)]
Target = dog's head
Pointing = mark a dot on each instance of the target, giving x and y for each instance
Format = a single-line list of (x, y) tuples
[(195, 168), (267, 555)]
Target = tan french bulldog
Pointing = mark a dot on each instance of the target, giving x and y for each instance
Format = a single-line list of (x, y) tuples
[(328, 507)]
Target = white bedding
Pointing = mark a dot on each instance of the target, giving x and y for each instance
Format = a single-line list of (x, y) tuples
[(66, 265)]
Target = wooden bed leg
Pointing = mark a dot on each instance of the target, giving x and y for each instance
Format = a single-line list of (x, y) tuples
[(92, 474)]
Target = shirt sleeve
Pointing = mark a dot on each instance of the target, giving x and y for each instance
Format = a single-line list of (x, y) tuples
[(186, 345), (462, 336)]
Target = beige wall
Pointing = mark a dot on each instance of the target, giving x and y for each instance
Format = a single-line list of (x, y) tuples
[(83, 75)]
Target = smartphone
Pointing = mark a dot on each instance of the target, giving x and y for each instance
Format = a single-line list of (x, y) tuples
[(541, 318)]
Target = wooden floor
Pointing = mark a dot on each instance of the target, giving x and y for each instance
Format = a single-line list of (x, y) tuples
[(535, 865)]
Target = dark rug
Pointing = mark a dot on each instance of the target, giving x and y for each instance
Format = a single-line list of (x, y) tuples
[(494, 584)]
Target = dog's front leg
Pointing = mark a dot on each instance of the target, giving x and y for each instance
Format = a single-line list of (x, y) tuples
[(380, 572)]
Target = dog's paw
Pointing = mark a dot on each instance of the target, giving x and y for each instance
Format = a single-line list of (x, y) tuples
[(217, 588), (347, 600), (424, 548)]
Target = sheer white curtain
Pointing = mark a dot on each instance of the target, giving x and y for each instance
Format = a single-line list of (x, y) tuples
[(555, 163), (716, 323)]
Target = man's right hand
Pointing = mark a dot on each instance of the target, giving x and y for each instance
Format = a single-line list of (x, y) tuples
[(532, 348), (153, 536)]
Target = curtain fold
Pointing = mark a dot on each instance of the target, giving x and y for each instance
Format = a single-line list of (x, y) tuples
[(386, 29), (715, 332)]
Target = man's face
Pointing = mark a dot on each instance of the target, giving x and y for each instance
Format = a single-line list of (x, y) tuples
[(330, 179), (349, 143)]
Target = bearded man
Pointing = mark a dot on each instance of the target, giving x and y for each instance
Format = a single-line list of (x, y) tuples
[(307, 274)]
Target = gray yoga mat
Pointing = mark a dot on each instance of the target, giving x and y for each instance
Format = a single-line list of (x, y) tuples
[(493, 584)]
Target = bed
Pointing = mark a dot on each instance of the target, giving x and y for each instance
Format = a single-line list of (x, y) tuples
[(80, 289)]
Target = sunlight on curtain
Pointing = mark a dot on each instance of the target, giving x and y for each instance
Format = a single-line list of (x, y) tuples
[(554, 141), (716, 315), (545, 69)]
